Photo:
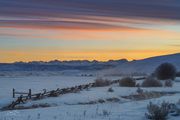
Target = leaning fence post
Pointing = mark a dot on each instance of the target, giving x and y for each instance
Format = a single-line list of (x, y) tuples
[(29, 93), (13, 93), (44, 91)]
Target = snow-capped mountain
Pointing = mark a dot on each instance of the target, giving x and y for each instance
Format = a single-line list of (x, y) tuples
[(122, 66), (56, 65), (147, 65)]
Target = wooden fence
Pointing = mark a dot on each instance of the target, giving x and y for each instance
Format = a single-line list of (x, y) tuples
[(53, 93), (21, 93)]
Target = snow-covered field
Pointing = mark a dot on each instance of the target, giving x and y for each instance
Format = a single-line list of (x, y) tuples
[(76, 106)]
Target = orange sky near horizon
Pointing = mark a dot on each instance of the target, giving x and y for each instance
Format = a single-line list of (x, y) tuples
[(11, 56), (48, 44)]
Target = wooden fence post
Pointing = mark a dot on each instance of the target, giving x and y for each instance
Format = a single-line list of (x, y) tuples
[(44, 90), (29, 93), (13, 93)]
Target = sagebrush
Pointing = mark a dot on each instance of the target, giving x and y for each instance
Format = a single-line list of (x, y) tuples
[(127, 82), (102, 82), (151, 82), (168, 83), (165, 71), (157, 112)]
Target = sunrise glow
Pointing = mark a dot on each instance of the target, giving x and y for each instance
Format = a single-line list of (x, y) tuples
[(36, 32)]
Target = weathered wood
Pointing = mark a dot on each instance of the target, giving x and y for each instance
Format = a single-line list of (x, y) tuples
[(22, 93), (13, 93), (141, 78), (29, 94), (52, 93)]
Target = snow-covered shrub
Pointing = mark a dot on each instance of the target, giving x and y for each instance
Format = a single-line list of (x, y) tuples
[(113, 99), (102, 82), (174, 109), (165, 71), (110, 89), (143, 95), (101, 101), (151, 82), (42, 105), (106, 113), (138, 85), (168, 83), (127, 82), (162, 111), (157, 112)]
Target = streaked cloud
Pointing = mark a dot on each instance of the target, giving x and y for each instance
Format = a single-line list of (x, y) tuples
[(167, 9), (88, 29), (85, 13)]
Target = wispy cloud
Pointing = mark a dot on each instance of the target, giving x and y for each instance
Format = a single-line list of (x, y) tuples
[(175, 45), (85, 13), (136, 26), (167, 9)]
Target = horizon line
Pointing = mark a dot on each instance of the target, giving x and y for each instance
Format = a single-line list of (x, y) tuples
[(88, 60)]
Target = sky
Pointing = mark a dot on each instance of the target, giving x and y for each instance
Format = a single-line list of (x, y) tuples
[(43, 30)]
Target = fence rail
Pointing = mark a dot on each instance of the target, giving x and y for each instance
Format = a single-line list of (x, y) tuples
[(53, 93), (21, 93)]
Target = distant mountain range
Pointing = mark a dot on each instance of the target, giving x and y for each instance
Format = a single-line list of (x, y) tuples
[(60, 65), (146, 66), (110, 67)]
